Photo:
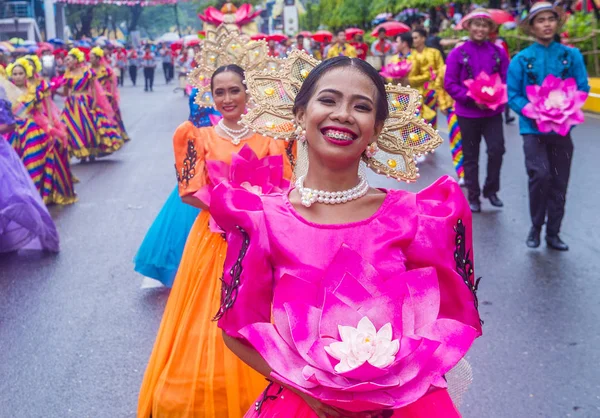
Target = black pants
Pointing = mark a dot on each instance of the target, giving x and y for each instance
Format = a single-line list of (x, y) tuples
[(148, 78), (472, 129), (133, 73), (121, 78), (168, 70), (548, 162)]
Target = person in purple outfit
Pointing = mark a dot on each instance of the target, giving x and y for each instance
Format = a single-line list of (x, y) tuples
[(24, 219), (476, 120)]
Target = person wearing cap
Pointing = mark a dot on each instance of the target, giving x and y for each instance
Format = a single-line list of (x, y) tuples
[(341, 47), (476, 120), (548, 156)]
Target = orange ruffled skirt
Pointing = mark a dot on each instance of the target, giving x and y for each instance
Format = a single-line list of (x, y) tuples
[(191, 372)]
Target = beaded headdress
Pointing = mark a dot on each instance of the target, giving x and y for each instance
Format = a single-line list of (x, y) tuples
[(224, 46), (405, 134)]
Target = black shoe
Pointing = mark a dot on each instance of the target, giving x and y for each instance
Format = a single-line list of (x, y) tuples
[(495, 200), (533, 239), (554, 242), (475, 206), (510, 120)]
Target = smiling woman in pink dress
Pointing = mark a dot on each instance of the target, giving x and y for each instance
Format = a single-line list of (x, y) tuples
[(353, 301)]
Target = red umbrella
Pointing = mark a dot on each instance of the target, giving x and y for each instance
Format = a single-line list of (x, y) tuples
[(499, 16), (392, 28), (277, 37), (322, 36), (306, 34), (588, 5), (193, 42), (258, 36), (352, 32)]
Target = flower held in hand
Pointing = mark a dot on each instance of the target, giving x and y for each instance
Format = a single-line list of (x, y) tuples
[(487, 90), (555, 105)]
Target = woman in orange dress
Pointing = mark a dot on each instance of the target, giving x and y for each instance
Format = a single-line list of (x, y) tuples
[(191, 373)]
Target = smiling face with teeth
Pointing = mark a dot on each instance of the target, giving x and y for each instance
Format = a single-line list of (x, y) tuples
[(340, 117)]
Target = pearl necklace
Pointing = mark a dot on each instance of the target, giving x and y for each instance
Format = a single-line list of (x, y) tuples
[(236, 135), (310, 196)]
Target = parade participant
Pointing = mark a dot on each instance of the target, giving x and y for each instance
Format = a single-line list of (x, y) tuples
[(24, 219), (300, 43), (133, 61), (108, 80), (434, 63), (501, 42), (303, 267), (48, 64), (160, 253), (548, 155), (39, 138), (149, 65), (165, 55), (446, 105), (191, 373), (477, 120), (341, 47), (381, 47), (87, 114), (419, 77), (121, 64), (274, 50), (362, 49)]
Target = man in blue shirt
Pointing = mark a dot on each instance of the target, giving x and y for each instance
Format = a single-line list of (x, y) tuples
[(548, 156)]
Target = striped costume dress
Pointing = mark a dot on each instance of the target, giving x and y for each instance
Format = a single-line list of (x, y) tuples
[(108, 80), (39, 144), (92, 133)]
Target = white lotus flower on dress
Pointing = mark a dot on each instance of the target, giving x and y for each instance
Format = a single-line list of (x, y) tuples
[(364, 344)]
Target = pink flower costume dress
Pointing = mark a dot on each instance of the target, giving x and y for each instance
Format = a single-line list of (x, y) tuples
[(404, 275)]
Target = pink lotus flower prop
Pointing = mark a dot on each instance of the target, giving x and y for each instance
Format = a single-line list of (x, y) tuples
[(258, 175), (359, 342), (555, 105), (396, 70), (488, 90), (243, 15)]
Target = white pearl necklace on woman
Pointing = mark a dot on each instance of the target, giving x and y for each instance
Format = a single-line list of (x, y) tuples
[(310, 196), (235, 134)]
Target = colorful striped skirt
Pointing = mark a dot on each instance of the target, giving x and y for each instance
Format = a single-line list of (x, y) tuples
[(118, 117), (46, 160), (90, 132)]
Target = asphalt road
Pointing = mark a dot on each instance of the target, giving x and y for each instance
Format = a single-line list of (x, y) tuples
[(76, 330)]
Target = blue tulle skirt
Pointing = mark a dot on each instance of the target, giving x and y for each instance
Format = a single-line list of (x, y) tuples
[(160, 253)]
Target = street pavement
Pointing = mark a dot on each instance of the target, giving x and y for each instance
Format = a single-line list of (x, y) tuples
[(76, 329)]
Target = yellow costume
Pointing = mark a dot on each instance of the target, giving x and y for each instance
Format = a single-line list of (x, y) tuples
[(418, 78), (346, 50), (433, 62)]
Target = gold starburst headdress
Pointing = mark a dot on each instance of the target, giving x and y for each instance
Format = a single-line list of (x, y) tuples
[(405, 134), (224, 46)]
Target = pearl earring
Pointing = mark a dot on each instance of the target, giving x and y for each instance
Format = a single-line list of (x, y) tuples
[(371, 150)]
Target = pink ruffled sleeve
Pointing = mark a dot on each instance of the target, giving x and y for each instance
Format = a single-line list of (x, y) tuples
[(444, 240), (247, 287)]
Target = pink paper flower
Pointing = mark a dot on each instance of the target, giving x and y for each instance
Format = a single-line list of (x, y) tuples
[(396, 70), (359, 342), (258, 175), (555, 105), (488, 90)]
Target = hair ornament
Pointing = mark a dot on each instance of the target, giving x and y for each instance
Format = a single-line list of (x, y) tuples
[(225, 47), (97, 51), (404, 135), (23, 63), (77, 54)]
